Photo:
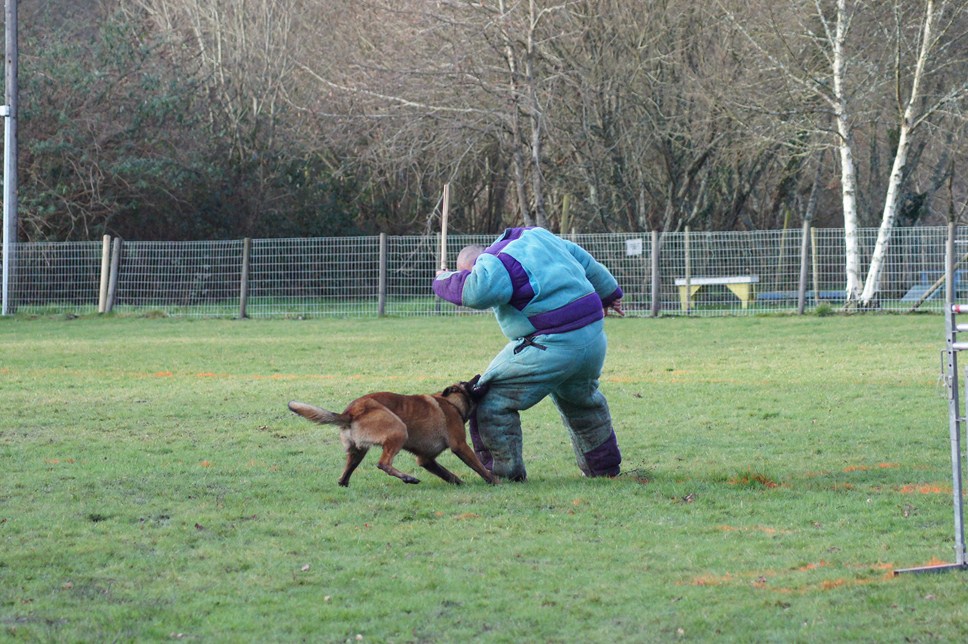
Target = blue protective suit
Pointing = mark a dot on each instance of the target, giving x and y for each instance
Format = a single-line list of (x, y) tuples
[(549, 296)]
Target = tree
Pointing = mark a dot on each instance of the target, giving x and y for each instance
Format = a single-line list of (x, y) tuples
[(216, 118), (103, 118), (843, 63), (941, 41)]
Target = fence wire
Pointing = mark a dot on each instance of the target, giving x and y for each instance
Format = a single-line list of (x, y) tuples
[(699, 273)]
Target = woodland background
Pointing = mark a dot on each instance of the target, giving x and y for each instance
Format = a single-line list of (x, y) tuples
[(214, 119)]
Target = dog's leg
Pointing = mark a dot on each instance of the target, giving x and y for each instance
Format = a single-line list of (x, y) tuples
[(386, 463), (380, 426), (354, 456), (392, 445), (466, 454), (432, 466)]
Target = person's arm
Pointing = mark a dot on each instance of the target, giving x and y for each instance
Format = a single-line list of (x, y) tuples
[(486, 285), (601, 278)]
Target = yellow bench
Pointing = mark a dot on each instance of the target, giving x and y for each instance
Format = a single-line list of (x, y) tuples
[(739, 285)]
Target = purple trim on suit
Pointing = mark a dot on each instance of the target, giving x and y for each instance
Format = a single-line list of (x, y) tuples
[(482, 452), (521, 291), (604, 460), (581, 312), (509, 236), (616, 295), (452, 288)]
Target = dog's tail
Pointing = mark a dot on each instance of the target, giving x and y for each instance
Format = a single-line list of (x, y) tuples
[(319, 415)]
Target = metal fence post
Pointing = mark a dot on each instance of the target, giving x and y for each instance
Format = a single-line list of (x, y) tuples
[(382, 289), (9, 112), (656, 284)]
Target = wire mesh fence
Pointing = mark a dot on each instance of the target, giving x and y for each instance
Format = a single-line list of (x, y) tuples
[(686, 273)]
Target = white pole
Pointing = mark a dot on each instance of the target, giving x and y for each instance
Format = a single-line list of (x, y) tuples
[(443, 228), (9, 112)]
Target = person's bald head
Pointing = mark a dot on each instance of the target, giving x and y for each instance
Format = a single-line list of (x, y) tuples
[(467, 256)]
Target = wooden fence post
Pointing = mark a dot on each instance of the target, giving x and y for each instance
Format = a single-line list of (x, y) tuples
[(102, 294), (244, 280), (113, 279), (804, 248), (816, 277), (688, 275)]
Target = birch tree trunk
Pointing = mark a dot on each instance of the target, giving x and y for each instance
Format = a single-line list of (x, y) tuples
[(906, 127), (517, 156), (525, 98), (848, 171), (537, 118)]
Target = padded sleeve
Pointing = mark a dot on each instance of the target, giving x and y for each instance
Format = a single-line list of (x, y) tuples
[(602, 280)]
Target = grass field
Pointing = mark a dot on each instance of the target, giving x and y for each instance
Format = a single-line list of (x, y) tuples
[(153, 486)]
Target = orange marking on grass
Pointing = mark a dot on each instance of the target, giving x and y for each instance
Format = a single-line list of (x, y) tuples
[(206, 464), (57, 461), (934, 561), (205, 374), (163, 374), (712, 580), (812, 566), (761, 579), (867, 468), (757, 528), (925, 489), (753, 477)]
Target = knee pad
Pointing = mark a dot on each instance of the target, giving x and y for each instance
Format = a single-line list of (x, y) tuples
[(604, 460)]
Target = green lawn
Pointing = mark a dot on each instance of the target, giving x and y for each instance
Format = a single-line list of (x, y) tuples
[(154, 486)]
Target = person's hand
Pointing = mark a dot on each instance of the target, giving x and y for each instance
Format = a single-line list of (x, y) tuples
[(441, 271), (616, 308)]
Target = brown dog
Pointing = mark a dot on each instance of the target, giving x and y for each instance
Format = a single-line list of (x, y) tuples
[(424, 425)]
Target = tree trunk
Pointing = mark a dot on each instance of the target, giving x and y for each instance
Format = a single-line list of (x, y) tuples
[(537, 118), (848, 172), (873, 283)]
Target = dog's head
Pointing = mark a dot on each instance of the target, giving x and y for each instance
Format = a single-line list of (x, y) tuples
[(465, 395)]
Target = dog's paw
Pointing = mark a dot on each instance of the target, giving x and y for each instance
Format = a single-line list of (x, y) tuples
[(409, 479)]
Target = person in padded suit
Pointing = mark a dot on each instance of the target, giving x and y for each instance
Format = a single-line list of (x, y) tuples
[(550, 297)]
